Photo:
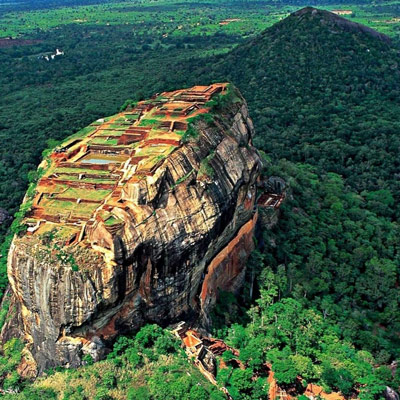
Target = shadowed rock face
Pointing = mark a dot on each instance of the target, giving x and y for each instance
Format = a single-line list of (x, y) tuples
[(181, 240)]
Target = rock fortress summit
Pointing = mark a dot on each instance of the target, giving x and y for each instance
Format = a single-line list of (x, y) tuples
[(140, 217)]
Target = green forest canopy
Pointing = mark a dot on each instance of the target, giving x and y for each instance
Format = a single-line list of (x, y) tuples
[(325, 102)]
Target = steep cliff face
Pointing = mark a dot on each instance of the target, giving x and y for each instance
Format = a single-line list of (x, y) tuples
[(150, 236)]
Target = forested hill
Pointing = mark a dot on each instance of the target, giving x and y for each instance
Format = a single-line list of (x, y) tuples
[(324, 91), (334, 22), (325, 98)]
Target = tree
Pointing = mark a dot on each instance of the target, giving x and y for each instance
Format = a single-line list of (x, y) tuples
[(303, 366), (140, 393), (285, 371), (371, 388), (198, 392)]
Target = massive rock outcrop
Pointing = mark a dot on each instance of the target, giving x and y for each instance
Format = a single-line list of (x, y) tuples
[(140, 218)]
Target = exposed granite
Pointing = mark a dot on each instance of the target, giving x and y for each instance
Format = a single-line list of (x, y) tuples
[(152, 268)]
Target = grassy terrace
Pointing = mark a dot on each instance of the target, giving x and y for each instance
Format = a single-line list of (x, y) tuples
[(111, 117), (66, 170), (118, 127), (150, 162), (153, 122), (93, 156), (156, 134), (151, 150), (53, 189), (86, 179), (110, 132), (132, 117), (61, 232), (104, 140), (66, 208), (84, 194), (112, 220)]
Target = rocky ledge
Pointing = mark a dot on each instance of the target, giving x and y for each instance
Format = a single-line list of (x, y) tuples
[(141, 217)]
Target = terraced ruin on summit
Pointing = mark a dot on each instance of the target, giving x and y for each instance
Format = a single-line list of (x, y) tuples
[(143, 216), (88, 175)]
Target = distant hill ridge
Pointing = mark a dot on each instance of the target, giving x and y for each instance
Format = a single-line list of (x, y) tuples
[(315, 83)]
